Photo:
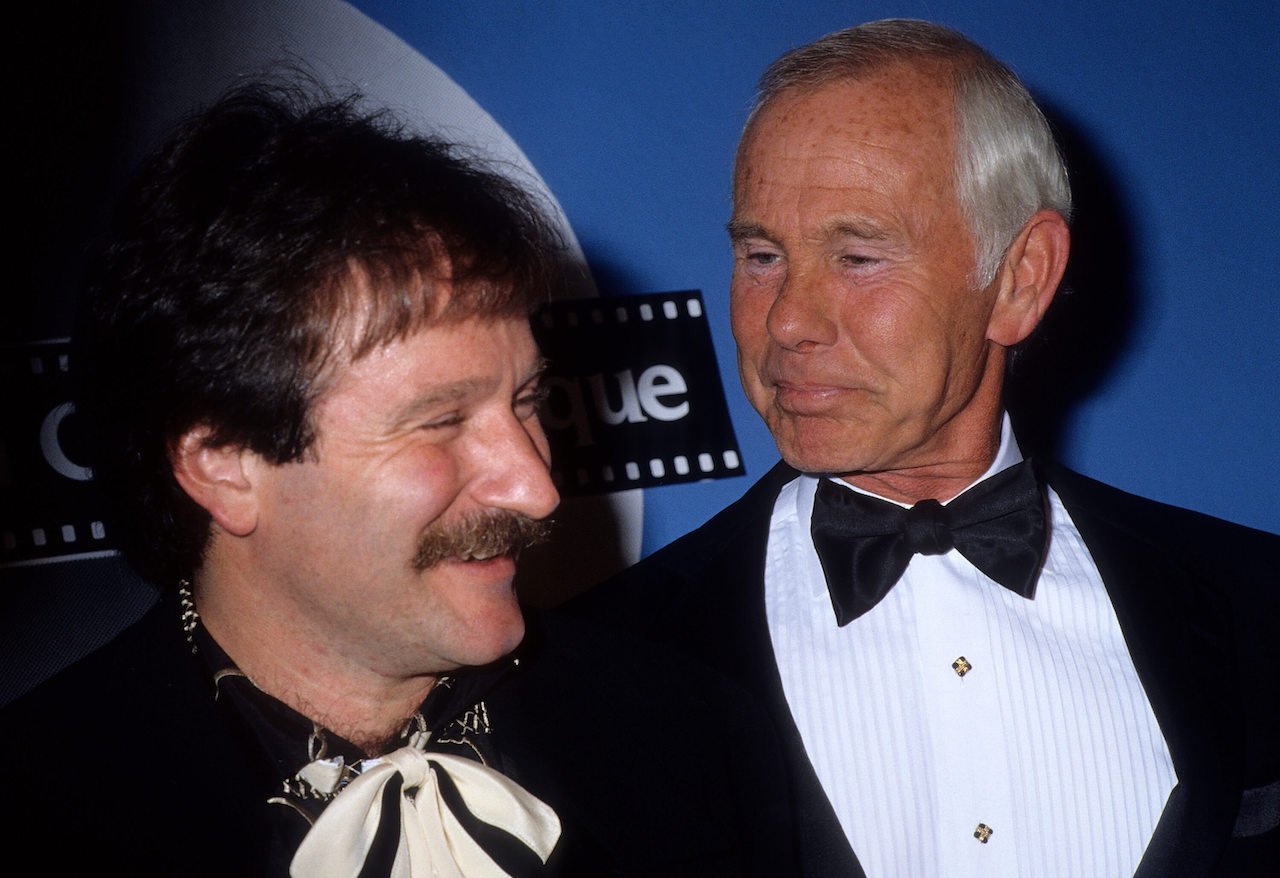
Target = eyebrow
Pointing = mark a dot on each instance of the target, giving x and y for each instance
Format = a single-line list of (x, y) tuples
[(536, 370), (740, 231), (439, 395), (457, 390), (839, 228), (861, 229)]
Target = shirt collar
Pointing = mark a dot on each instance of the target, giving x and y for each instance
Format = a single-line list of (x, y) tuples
[(290, 740)]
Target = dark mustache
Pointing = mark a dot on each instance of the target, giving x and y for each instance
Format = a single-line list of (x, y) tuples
[(487, 533)]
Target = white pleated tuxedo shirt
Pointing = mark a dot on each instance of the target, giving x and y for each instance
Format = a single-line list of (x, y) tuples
[(960, 729)]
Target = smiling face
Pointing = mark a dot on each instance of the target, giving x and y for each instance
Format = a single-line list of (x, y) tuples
[(860, 340), (416, 441)]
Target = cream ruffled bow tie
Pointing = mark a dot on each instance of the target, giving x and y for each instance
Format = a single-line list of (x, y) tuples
[(433, 844)]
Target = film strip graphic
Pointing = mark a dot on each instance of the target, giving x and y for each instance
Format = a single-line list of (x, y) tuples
[(647, 473), (634, 394), (50, 510)]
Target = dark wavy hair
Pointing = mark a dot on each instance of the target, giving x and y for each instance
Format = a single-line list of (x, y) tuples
[(268, 232)]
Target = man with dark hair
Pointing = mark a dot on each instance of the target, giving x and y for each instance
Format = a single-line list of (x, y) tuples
[(315, 394), (269, 242), (314, 391), (978, 664)]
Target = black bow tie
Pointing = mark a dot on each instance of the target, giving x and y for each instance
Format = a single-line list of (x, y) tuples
[(865, 543)]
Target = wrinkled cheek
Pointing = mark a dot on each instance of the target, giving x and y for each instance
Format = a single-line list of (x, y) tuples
[(748, 315), (809, 444), (749, 377), (783, 426)]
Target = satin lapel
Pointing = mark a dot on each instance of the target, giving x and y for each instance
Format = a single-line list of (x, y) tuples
[(1176, 634), (743, 649)]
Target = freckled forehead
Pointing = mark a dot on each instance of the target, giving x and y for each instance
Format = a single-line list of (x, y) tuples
[(898, 120)]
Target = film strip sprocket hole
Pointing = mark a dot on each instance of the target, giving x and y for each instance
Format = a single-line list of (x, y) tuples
[(655, 471), (634, 394), (63, 541)]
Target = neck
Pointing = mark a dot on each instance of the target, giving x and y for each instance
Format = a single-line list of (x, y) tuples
[(954, 457), (940, 480), (301, 669)]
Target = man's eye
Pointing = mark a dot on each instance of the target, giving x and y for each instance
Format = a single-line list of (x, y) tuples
[(857, 259), (452, 419), (531, 402), (762, 257)]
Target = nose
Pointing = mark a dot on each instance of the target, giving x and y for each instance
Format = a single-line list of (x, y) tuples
[(802, 314), (514, 470)]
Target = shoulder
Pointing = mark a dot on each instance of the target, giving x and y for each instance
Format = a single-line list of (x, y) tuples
[(118, 685), (694, 568), (593, 712), (724, 534), (1211, 549), (134, 727), (1190, 562), (1205, 588)]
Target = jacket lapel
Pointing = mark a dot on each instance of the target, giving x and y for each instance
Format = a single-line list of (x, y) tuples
[(1175, 630), (746, 654)]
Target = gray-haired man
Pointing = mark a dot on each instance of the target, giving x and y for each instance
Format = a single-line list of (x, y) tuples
[(1026, 672)]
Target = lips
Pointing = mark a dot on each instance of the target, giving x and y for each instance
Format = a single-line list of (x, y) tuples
[(809, 398), (499, 567)]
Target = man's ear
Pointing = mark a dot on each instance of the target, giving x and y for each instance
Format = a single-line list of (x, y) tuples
[(218, 478), (1029, 277)]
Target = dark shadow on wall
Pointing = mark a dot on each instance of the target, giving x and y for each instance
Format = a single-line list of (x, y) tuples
[(72, 149), (612, 278), (1089, 327)]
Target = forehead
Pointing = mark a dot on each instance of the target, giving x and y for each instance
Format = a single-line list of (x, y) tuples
[(358, 312), (892, 125)]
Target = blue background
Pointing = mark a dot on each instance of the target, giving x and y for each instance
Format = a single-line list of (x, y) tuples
[(631, 114)]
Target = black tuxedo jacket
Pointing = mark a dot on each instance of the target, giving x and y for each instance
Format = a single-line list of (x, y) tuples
[(1198, 601), (126, 763)]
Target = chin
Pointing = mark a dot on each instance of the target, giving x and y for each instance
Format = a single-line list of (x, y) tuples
[(810, 449), (819, 465), (498, 639)]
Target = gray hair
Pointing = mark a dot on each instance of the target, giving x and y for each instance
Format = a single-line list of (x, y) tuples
[(1007, 164)]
